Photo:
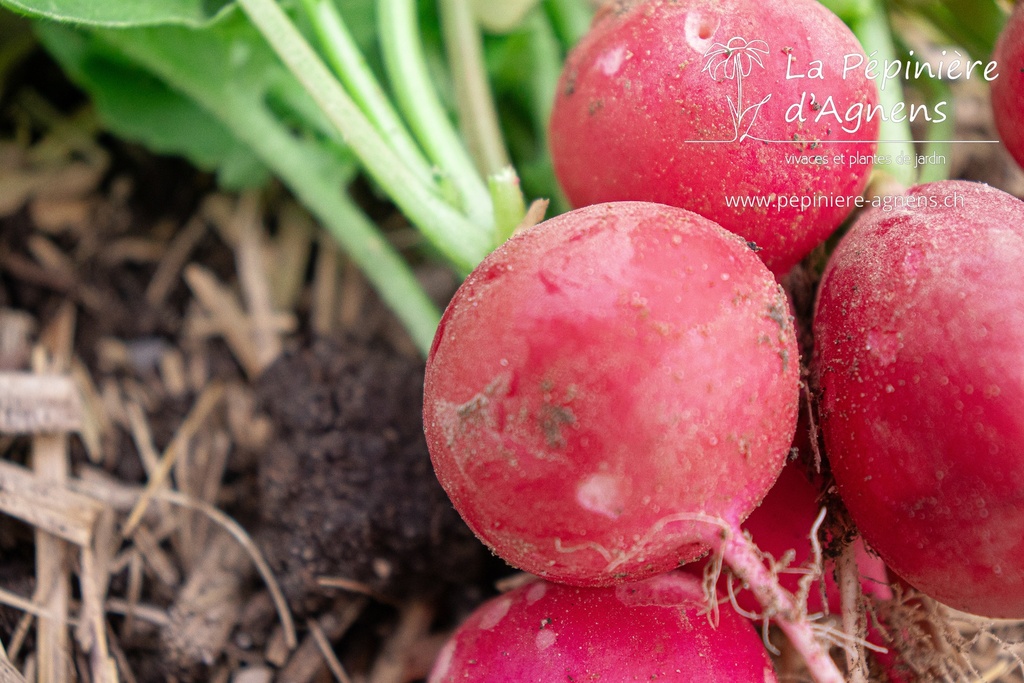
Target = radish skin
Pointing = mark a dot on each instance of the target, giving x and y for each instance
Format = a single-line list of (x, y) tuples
[(603, 382), (919, 336), (654, 630), (648, 108), (1008, 87)]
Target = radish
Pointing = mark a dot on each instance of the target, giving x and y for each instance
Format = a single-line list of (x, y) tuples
[(654, 630), (611, 392), (603, 376), (919, 336), (1008, 88), (705, 105)]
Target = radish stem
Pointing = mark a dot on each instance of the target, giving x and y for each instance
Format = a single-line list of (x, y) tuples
[(509, 204), (571, 19), (418, 101), (477, 115), (849, 10), (895, 139), (350, 66), (740, 554), (464, 242), (938, 142)]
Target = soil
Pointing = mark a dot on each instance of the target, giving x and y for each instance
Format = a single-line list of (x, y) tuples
[(346, 485)]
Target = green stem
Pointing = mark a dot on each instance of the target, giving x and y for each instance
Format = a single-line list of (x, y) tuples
[(509, 205), (895, 137), (350, 66), (477, 115), (290, 158), (547, 69), (571, 19), (418, 101), (501, 17), (462, 242), (849, 11), (973, 24), (937, 144)]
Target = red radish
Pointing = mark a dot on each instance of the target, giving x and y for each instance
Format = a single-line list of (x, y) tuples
[(664, 101), (655, 630), (611, 392), (1008, 87), (919, 336), (601, 377)]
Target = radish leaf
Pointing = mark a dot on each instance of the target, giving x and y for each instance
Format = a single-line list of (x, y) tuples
[(120, 14)]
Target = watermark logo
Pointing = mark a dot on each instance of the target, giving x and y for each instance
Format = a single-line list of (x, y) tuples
[(734, 61), (803, 85)]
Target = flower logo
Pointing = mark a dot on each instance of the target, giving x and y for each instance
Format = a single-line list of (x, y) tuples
[(734, 61), (738, 56)]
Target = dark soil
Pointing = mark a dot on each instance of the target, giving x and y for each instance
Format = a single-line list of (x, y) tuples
[(346, 486)]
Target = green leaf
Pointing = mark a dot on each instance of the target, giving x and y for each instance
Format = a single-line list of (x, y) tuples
[(135, 105), (124, 13)]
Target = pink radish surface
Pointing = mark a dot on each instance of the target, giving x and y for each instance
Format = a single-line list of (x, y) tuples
[(602, 379), (647, 110), (1008, 88), (652, 631), (919, 340)]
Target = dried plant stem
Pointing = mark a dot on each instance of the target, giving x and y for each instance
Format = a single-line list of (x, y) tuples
[(412, 625), (255, 282), (240, 535), (51, 463), (324, 645), (8, 674), (204, 405), (308, 660)]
